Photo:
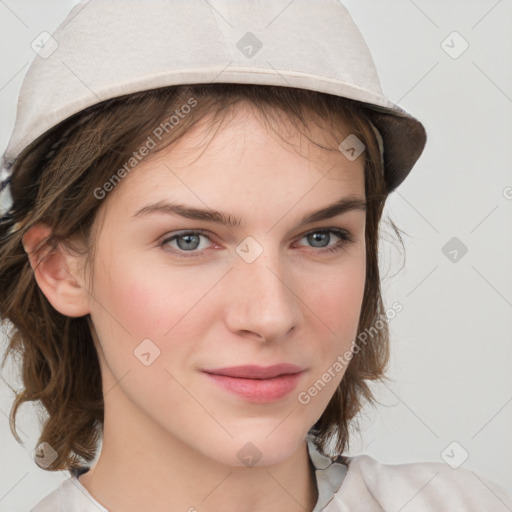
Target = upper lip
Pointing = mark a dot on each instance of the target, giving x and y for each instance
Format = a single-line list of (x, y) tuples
[(257, 372)]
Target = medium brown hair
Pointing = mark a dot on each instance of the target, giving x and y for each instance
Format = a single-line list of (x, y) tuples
[(54, 183)]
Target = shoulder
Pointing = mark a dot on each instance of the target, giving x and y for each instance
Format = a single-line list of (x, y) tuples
[(419, 486), (52, 502), (69, 496)]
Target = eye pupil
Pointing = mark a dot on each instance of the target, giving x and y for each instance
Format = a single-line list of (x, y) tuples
[(190, 239), (319, 237)]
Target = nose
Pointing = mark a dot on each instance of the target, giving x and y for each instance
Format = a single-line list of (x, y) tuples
[(262, 297)]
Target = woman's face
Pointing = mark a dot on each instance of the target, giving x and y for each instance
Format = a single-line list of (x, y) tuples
[(257, 286)]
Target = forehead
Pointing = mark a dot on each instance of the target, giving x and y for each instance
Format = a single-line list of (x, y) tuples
[(246, 158), (244, 123)]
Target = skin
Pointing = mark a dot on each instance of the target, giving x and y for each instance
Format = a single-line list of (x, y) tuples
[(171, 435)]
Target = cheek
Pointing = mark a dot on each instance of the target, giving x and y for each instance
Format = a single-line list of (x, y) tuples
[(335, 308), (335, 305), (137, 301), (337, 297), (142, 299), (127, 303)]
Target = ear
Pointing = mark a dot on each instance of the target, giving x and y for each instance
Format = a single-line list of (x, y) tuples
[(56, 274)]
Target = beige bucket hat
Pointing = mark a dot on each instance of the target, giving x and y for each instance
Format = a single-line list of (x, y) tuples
[(109, 48)]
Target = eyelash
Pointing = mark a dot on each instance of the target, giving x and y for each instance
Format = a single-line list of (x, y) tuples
[(345, 236)]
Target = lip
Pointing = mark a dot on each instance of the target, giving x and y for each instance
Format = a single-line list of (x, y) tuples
[(257, 383), (256, 372)]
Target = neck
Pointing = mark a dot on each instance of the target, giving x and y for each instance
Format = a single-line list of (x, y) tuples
[(142, 467)]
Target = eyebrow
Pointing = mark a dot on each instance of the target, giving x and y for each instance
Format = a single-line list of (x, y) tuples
[(343, 205)]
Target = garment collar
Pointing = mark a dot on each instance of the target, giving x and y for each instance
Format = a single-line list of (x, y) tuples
[(329, 474)]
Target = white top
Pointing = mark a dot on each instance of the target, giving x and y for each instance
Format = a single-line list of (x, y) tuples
[(354, 484)]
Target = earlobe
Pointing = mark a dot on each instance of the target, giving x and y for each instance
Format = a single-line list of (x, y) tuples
[(55, 274)]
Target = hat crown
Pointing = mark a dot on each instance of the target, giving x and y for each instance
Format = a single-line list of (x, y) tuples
[(110, 48), (115, 47)]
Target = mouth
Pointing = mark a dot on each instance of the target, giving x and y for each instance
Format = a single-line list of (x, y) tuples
[(257, 383), (257, 372)]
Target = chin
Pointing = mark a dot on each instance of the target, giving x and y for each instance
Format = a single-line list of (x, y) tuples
[(258, 450)]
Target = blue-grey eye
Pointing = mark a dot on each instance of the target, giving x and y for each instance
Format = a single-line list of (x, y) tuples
[(319, 238), (187, 241)]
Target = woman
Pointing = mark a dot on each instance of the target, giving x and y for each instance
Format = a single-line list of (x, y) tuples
[(190, 258)]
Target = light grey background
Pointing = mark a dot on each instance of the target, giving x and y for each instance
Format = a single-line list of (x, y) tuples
[(452, 342)]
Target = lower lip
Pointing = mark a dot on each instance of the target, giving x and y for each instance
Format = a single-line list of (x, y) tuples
[(259, 390)]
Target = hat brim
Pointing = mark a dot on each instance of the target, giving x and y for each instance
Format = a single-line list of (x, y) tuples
[(404, 139)]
